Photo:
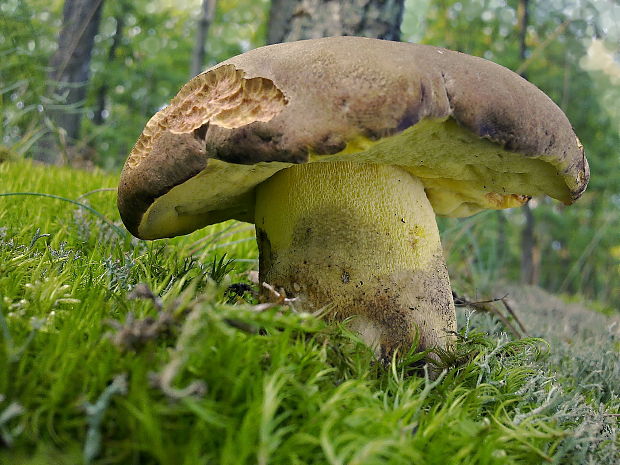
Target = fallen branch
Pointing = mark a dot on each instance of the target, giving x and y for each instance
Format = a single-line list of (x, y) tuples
[(512, 313), (485, 306)]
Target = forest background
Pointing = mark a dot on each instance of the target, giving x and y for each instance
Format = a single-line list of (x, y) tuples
[(115, 350), (143, 51)]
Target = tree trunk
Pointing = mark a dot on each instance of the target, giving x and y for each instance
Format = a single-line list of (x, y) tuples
[(502, 243), (69, 75), (528, 244), (530, 260), (102, 93), (310, 19), (523, 15), (206, 18)]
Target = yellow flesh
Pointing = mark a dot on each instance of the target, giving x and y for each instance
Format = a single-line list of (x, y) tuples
[(462, 174), (361, 239)]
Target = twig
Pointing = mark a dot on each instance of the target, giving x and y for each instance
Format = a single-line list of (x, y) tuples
[(460, 302), (485, 306), (277, 297), (512, 313)]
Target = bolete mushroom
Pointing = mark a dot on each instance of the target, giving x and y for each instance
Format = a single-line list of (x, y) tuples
[(340, 151)]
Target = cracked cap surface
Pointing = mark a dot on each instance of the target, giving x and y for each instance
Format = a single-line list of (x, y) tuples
[(476, 134)]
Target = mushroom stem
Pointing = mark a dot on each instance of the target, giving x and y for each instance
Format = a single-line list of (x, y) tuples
[(360, 240)]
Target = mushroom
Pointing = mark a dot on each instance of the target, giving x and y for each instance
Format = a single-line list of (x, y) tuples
[(341, 151)]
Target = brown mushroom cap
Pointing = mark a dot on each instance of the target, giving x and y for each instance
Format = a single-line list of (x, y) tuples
[(475, 133)]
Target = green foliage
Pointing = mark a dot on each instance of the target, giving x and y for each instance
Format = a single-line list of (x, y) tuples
[(152, 61), (209, 379), (578, 245), (26, 41), (137, 72), (226, 383), (149, 64)]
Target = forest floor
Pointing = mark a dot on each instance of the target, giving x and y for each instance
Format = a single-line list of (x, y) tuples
[(117, 351)]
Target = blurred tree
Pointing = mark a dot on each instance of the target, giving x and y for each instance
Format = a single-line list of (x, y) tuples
[(152, 60), (575, 242), (530, 255), (26, 44), (310, 19), (69, 76), (202, 31), (142, 51), (102, 92)]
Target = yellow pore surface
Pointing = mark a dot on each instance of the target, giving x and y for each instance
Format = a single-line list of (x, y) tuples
[(461, 173)]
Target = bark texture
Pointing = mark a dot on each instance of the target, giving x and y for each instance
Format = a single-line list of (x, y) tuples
[(311, 19), (69, 75), (204, 23)]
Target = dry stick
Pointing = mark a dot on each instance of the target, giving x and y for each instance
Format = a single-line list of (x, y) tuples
[(485, 306), (513, 314), (490, 301)]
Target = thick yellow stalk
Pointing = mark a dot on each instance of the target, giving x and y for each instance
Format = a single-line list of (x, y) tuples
[(362, 241)]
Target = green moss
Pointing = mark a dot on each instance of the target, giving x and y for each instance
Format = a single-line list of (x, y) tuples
[(281, 387)]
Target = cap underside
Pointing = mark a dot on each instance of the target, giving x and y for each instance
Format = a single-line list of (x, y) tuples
[(477, 135), (462, 174)]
